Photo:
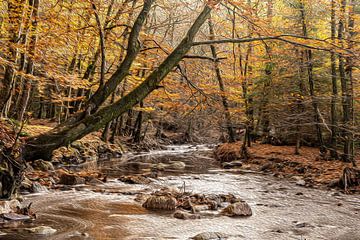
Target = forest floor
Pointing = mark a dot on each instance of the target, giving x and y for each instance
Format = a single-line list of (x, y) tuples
[(307, 168)]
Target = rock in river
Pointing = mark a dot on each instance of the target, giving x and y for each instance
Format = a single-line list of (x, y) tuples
[(38, 188), (9, 206), (185, 215), (160, 203), (42, 230), (71, 179), (43, 165), (210, 236), (239, 209)]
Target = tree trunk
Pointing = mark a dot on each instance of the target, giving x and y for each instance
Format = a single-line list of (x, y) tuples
[(334, 126), (15, 9), (138, 125), (30, 65), (309, 66), (225, 103), (349, 71), (346, 134)]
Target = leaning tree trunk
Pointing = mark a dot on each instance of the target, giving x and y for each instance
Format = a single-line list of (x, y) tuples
[(43, 145)]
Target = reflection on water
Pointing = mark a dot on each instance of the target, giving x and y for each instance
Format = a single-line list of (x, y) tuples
[(281, 209)]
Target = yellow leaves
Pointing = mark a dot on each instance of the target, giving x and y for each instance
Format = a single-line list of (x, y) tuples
[(144, 109)]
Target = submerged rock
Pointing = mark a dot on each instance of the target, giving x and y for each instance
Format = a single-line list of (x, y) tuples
[(210, 236), (185, 215), (160, 203), (239, 209), (177, 165), (42, 230)]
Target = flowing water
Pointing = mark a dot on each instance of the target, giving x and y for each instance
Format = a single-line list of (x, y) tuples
[(281, 210)]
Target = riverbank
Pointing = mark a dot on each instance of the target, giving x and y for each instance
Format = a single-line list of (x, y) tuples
[(307, 169)]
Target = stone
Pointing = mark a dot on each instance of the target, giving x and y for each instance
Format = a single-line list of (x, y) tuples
[(160, 203), (43, 165), (135, 179), (301, 183), (160, 166), (42, 230), (9, 206), (185, 215), (266, 167), (210, 236), (177, 165), (71, 179), (38, 188), (239, 209), (94, 181), (26, 184), (234, 164), (15, 217)]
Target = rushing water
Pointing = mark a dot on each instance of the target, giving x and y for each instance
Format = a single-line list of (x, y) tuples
[(281, 209)]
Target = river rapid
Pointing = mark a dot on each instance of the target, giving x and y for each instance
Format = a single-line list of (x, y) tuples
[(281, 209)]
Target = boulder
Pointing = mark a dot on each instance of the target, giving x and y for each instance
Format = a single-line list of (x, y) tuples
[(210, 236), (43, 165), (185, 215), (71, 179), (238, 209), (160, 203)]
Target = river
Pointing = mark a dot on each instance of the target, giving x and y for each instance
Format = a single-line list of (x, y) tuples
[(281, 209)]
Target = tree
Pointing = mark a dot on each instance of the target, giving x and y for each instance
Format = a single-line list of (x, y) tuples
[(43, 145)]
